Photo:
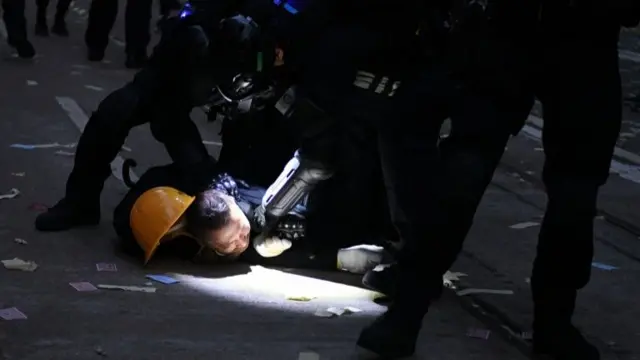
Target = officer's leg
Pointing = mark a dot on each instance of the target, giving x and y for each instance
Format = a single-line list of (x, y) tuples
[(42, 29), (99, 144), (182, 139), (102, 16), (16, 24), (137, 37), (60, 25), (433, 208), (582, 117)]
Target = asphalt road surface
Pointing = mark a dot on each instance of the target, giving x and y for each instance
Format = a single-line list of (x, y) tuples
[(224, 313), (249, 313)]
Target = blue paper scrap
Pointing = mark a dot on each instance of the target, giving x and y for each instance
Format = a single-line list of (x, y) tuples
[(22, 146), (163, 279), (602, 266)]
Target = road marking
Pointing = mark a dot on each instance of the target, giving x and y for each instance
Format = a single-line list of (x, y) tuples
[(117, 41), (629, 55), (625, 171), (80, 119)]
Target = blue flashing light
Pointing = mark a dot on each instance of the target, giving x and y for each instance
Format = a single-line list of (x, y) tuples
[(187, 10), (288, 7)]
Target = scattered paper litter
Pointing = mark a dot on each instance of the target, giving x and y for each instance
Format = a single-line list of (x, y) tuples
[(10, 195), (20, 241), (43, 146), (128, 288), (106, 267), (600, 217), (167, 280), (83, 286), (12, 314), (479, 333), (484, 291), (19, 264), (602, 266), (335, 311), (308, 355), (93, 87), (449, 277), (32, 83), (65, 153), (524, 225), (300, 298), (100, 352), (20, 174)]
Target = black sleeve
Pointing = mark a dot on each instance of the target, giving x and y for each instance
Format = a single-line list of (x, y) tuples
[(154, 177), (294, 258)]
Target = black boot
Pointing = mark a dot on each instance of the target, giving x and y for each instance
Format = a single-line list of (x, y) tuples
[(60, 26), (394, 334), (553, 334), (67, 214), (95, 54), (384, 281), (25, 49), (136, 60), (42, 29)]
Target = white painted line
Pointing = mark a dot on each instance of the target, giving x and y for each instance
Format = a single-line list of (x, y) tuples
[(212, 143), (629, 172), (80, 119), (629, 55), (117, 41)]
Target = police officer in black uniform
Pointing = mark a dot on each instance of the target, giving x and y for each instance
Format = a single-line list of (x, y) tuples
[(102, 17), (582, 102), (14, 20), (177, 78), (59, 25)]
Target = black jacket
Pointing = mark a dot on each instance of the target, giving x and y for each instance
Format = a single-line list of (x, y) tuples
[(170, 175)]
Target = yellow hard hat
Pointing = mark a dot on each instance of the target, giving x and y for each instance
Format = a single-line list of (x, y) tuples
[(154, 213)]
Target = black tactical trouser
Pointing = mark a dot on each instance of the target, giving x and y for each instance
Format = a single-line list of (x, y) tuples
[(138, 13), (582, 118), (14, 20), (158, 95), (351, 205), (61, 8)]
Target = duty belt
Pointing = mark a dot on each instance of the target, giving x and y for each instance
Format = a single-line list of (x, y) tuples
[(379, 84)]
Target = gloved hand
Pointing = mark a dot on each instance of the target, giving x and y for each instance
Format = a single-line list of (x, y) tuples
[(360, 258), (272, 247)]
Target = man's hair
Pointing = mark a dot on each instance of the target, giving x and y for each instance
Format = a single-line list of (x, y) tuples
[(209, 211)]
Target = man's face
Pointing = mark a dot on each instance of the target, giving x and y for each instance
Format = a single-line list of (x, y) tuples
[(233, 238)]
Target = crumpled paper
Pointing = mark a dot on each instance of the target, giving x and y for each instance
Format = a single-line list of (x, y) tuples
[(10, 195), (449, 278), (335, 312), (19, 264)]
